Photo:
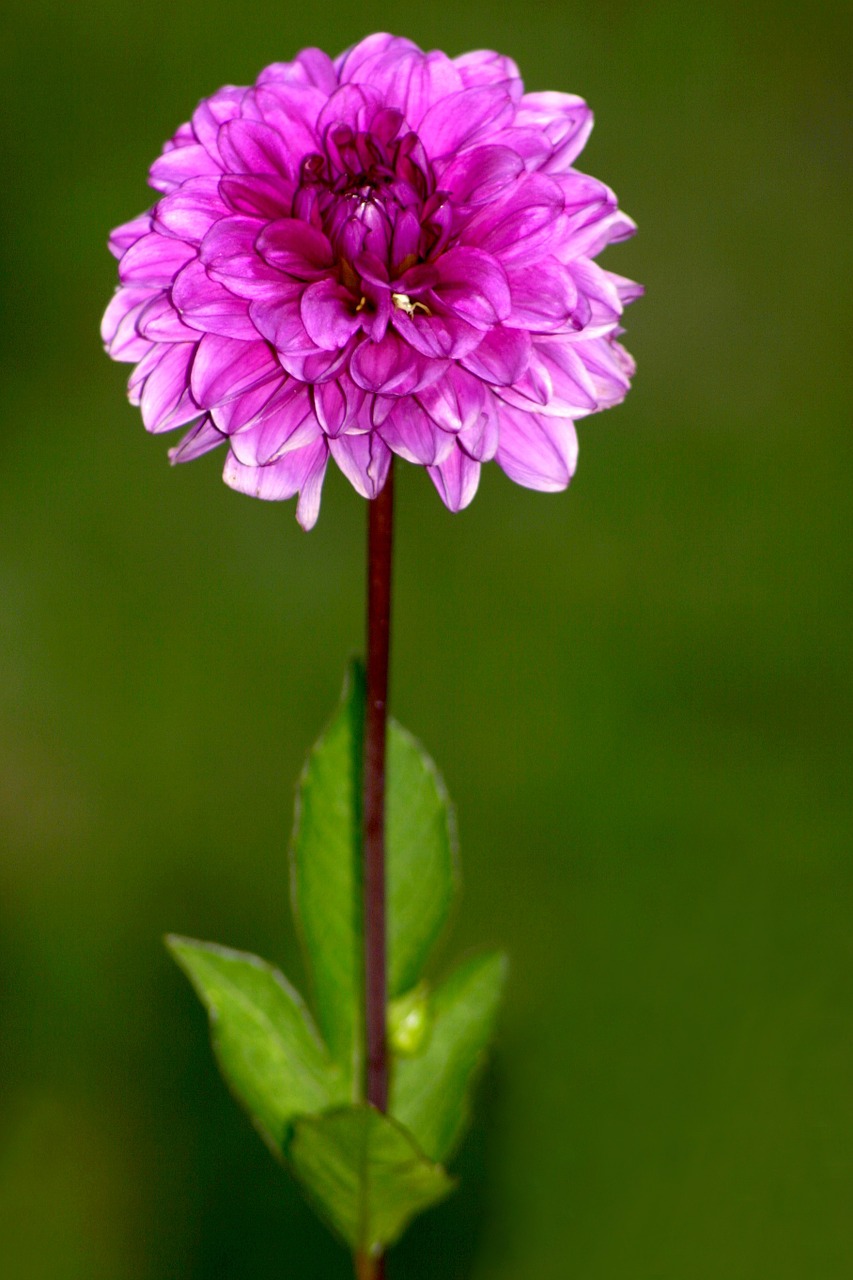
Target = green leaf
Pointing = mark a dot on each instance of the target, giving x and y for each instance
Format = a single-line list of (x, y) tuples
[(267, 1047), (420, 856), (365, 1174), (326, 880), (421, 853), (430, 1090)]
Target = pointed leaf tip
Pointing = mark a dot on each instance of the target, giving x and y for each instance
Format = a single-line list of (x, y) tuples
[(267, 1047)]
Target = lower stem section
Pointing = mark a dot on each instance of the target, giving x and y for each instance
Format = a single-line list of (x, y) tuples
[(368, 1267)]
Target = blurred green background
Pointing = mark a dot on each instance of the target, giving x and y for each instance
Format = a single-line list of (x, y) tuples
[(639, 691)]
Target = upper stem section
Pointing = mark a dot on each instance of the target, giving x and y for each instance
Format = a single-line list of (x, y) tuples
[(379, 555)]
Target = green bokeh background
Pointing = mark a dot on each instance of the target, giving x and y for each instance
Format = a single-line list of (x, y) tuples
[(639, 691)]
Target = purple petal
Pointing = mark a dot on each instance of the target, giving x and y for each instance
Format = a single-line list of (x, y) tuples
[(166, 402), (349, 63), (407, 78), (228, 252), (523, 225), (392, 367), (502, 356), (437, 337), (251, 146), (170, 170), (154, 260), (190, 212), (338, 404), (211, 113), (354, 105), (121, 238), (364, 461), (224, 368), (458, 120), (118, 327), (482, 66), (291, 111), (200, 439), (480, 439), (473, 285), (302, 470), (206, 305), (481, 175), (290, 424), (456, 479), (412, 435), (537, 452), (268, 197), (608, 227), (609, 367), (456, 401), (296, 248), (160, 322), (544, 295), (311, 66), (566, 119), (329, 315)]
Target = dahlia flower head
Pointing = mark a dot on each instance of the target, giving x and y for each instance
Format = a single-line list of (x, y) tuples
[(386, 253)]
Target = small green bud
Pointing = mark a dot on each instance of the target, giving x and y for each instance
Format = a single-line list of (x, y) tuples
[(410, 1021)]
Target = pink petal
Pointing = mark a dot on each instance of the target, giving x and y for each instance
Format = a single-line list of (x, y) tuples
[(537, 452), (338, 404), (523, 225), (329, 315), (170, 170), (251, 146), (121, 238), (482, 66), (290, 424), (458, 120), (456, 479), (160, 322), (481, 175), (229, 254), (292, 111), (154, 260), (206, 305), (296, 248), (480, 439), (211, 113), (190, 212), (544, 295), (456, 401), (267, 197), (566, 118), (412, 435), (437, 337), (118, 327), (303, 469), (473, 285), (200, 439), (166, 402), (502, 356), (364, 461), (225, 367), (392, 367)]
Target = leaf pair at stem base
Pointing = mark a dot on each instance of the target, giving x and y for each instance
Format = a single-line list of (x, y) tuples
[(368, 1174)]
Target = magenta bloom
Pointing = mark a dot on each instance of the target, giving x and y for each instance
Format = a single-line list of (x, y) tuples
[(386, 253)]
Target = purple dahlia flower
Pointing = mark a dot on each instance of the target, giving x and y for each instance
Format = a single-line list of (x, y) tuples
[(386, 253)]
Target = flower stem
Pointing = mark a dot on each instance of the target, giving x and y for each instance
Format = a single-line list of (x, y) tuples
[(379, 545), (368, 1267), (379, 539)]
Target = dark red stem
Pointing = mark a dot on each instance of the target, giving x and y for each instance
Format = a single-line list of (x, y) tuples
[(379, 540)]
